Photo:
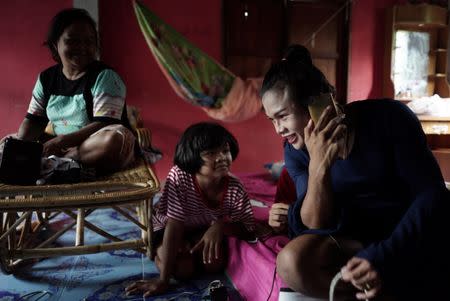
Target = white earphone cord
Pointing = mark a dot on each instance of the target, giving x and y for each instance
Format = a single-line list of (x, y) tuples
[(333, 284)]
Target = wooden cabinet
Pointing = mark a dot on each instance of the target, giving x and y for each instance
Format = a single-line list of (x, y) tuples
[(435, 125), (420, 69), (426, 22)]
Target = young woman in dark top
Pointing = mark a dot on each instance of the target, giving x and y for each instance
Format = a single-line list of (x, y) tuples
[(371, 200)]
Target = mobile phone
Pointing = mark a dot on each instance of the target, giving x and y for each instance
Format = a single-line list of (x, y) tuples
[(319, 104)]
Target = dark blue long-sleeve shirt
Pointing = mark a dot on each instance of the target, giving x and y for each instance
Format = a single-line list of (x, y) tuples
[(389, 192)]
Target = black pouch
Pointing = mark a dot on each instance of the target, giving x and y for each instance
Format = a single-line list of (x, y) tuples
[(20, 163), (217, 291)]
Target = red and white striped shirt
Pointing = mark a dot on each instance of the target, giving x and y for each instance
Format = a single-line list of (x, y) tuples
[(182, 201)]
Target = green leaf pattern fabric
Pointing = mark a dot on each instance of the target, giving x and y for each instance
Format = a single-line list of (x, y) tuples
[(195, 76)]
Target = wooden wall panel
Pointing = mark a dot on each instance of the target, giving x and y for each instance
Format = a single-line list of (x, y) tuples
[(249, 66), (322, 27), (252, 42)]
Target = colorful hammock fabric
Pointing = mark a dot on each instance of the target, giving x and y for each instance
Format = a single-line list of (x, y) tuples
[(195, 76)]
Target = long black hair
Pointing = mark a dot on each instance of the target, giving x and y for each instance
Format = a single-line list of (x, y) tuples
[(201, 137), (297, 73), (61, 21)]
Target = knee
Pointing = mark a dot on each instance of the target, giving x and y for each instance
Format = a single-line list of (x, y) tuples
[(112, 143), (102, 150), (296, 265), (105, 140), (290, 267)]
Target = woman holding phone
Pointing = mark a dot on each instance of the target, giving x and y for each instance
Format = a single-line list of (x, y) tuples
[(371, 200)]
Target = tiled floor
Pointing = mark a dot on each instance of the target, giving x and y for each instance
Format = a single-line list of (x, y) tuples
[(101, 276)]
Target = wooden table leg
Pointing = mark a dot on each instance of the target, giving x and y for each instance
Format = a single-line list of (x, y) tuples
[(79, 241)]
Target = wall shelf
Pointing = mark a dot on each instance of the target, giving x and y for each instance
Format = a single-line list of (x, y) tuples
[(422, 15), (431, 19), (426, 18)]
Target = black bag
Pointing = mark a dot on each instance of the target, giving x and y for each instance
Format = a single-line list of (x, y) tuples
[(20, 163)]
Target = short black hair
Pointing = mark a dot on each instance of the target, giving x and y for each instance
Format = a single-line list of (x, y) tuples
[(201, 137), (297, 73), (61, 21)]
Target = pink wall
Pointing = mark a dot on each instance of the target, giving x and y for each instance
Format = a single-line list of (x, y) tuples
[(23, 26), (124, 48), (367, 48), (164, 112)]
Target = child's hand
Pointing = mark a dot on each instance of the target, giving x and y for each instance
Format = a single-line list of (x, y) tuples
[(278, 216), (211, 242), (152, 287)]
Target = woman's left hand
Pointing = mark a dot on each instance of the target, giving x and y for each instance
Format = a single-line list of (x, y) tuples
[(363, 276), (211, 242), (54, 146)]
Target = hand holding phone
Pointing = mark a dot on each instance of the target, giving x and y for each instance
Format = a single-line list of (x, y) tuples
[(316, 109), (320, 103)]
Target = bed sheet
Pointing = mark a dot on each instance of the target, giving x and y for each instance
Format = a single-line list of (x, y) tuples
[(251, 266)]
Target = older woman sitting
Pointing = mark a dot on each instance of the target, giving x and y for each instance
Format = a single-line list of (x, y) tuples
[(82, 98)]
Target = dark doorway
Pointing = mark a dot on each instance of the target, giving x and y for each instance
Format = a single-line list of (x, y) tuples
[(257, 31)]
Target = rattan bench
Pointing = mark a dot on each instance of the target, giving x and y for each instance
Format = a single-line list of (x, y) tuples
[(26, 210)]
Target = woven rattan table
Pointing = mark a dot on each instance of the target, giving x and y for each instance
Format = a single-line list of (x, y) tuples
[(26, 210)]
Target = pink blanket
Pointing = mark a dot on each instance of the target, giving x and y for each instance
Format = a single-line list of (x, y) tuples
[(261, 187), (251, 266)]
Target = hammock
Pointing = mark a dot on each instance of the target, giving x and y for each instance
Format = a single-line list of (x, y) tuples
[(195, 76)]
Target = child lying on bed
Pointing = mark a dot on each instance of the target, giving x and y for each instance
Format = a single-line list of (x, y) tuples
[(200, 205)]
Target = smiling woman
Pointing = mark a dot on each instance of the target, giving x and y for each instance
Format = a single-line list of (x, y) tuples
[(82, 98), (288, 119), (352, 171), (76, 49)]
